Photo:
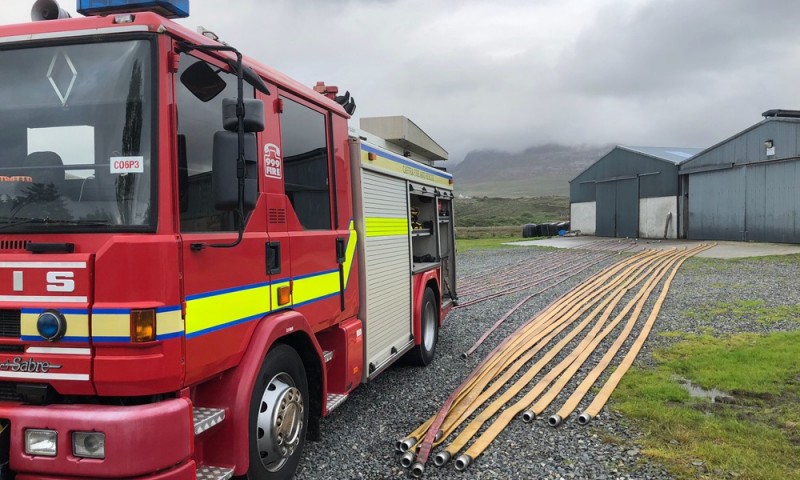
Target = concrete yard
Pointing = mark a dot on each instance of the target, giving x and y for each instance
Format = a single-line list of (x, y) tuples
[(723, 249)]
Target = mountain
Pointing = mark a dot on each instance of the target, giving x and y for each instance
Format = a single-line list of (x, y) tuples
[(542, 170)]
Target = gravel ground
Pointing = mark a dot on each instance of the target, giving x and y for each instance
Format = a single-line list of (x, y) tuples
[(358, 438)]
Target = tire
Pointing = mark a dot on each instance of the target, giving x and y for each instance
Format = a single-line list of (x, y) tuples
[(423, 353), (282, 383)]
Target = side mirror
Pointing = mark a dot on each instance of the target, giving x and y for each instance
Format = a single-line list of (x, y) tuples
[(225, 178), (253, 115), (203, 81)]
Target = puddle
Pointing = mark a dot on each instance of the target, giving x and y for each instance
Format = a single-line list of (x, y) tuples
[(713, 395)]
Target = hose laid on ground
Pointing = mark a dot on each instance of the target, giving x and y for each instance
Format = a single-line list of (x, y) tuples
[(460, 413), (433, 428), (605, 392), (587, 345), (505, 317), (532, 282), (572, 402), (544, 401)]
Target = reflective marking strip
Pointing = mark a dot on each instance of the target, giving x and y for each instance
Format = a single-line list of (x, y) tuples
[(42, 264), (59, 351), (46, 376), (34, 298), (111, 327), (385, 227), (169, 324), (77, 324), (75, 33), (213, 311)]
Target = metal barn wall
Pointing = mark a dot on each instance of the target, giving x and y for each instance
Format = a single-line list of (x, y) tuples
[(624, 163), (748, 145), (744, 195), (749, 203), (716, 205)]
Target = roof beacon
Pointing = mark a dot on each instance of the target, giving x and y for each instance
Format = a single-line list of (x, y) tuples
[(165, 8)]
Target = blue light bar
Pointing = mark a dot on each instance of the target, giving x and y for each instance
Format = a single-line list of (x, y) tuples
[(166, 8)]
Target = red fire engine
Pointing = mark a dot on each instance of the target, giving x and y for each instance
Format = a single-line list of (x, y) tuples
[(198, 259)]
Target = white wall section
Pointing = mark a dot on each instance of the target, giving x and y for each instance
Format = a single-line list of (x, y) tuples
[(654, 214), (583, 217)]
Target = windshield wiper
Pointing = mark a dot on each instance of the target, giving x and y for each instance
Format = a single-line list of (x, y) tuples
[(13, 221), (51, 221)]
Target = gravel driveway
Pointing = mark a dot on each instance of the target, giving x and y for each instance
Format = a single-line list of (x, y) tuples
[(358, 438)]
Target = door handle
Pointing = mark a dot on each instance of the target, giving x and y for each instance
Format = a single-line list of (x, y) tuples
[(340, 251), (273, 258)]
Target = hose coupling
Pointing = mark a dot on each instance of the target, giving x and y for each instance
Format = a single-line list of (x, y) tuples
[(407, 459), (462, 462), (407, 443), (528, 416), (441, 458), (584, 418), (554, 420)]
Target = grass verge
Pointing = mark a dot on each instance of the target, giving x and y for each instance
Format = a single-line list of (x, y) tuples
[(753, 435), (756, 310), (487, 243)]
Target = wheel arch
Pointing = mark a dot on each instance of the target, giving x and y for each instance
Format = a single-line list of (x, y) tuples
[(230, 443), (422, 281)]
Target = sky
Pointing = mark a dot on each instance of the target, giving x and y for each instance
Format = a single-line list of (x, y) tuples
[(510, 74)]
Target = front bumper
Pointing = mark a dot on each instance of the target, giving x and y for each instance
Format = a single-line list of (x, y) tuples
[(152, 441)]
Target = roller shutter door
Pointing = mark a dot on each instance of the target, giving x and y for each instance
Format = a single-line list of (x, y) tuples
[(388, 265)]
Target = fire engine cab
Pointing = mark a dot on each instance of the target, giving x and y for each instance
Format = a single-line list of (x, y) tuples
[(198, 258)]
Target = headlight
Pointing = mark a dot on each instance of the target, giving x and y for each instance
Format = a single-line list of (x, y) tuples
[(89, 444), (41, 442)]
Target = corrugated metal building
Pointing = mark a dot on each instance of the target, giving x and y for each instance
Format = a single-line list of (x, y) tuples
[(629, 192), (746, 187)]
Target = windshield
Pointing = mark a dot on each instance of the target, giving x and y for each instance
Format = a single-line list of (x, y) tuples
[(75, 137)]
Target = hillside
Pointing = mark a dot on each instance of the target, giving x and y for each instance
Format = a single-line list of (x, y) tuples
[(543, 170)]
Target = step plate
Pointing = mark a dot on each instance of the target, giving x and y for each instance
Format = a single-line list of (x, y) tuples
[(205, 418), (334, 400), (213, 473)]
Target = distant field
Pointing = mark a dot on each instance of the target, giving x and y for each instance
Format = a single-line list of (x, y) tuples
[(550, 186), (515, 212)]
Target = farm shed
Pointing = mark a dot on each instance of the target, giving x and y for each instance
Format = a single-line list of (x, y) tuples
[(629, 192), (745, 188)]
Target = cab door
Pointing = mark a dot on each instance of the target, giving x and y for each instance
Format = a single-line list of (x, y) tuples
[(310, 206), (226, 290)]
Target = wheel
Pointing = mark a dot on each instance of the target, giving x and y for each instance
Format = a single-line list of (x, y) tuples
[(278, 416), (423, 353)]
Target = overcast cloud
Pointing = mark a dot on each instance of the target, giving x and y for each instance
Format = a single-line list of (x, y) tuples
[(508, 74)]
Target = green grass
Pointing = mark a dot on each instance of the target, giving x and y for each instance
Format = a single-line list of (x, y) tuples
[(756, 437), (488, 212), (756, 310), (467, 244)]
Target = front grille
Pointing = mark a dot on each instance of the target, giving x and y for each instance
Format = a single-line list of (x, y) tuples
[(9, 323), (14, 244), (8, 392)]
